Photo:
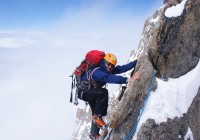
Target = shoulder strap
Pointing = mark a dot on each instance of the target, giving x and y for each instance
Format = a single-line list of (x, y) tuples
[(90, 76)]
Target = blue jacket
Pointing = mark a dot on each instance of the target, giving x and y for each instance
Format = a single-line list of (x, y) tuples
[(100, 76)]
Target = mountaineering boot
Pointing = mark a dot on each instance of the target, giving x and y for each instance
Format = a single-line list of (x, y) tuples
[(100, 122), (97, 137)]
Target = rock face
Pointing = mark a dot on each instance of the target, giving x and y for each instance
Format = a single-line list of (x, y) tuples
[(171, 130), (170, 47), (82, 129), (175, 49), (193, 116)]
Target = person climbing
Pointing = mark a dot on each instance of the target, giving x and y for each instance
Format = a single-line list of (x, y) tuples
[(97, 96)]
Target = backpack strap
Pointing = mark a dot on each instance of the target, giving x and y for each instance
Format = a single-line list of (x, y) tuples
[(90, 76)]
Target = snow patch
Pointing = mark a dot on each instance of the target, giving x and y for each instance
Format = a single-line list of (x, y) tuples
[(175, 11), (155, 19), (189, 135)]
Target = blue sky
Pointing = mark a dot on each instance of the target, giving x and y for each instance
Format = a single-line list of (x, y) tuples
[(41, 13), (41, 42)]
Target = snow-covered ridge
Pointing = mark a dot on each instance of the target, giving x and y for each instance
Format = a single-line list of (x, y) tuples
[(172, 98)]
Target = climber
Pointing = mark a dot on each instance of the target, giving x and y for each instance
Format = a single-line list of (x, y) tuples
[(97, 96)]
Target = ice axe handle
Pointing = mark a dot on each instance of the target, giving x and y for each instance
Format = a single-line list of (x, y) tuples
[(122, 92)]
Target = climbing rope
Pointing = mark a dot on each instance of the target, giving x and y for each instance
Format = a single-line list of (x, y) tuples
[(132, 131)]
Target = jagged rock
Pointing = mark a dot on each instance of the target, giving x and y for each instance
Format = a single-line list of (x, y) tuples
[(194, 116), (83, 125), (173, 129), (175, 49), (171, 2), (127, 110)]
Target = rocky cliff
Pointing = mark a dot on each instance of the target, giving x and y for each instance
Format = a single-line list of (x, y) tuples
[(170, 48)]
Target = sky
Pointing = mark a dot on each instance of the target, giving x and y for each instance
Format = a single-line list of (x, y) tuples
[(41, 13), (41, 42)]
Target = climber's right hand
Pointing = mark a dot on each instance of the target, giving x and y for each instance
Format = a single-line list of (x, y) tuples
[(135, 76)]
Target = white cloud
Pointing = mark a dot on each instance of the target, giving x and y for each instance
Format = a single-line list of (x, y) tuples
[(19, 38), (15, 42)]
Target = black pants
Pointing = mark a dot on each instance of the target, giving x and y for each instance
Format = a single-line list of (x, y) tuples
[(98, 100)]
